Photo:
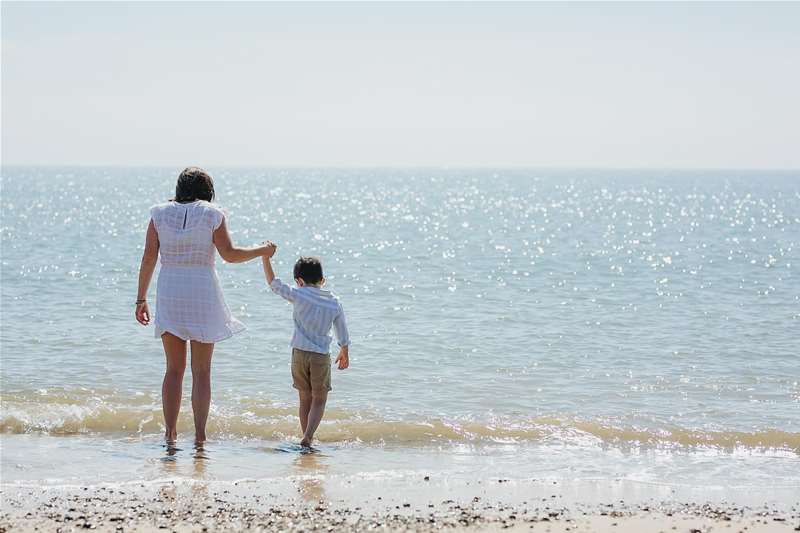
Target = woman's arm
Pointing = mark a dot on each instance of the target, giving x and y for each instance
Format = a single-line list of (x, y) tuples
[(148, 266), (231, 253)]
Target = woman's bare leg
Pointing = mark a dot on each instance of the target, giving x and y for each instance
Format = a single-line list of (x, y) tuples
[(175, 350), (201, 387)]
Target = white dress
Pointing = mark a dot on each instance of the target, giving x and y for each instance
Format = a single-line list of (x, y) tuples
[(189, 299)]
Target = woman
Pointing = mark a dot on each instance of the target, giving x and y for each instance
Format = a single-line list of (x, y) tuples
[(190, 306)]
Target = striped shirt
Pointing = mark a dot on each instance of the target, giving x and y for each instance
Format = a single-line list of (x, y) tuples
[(315, 311)]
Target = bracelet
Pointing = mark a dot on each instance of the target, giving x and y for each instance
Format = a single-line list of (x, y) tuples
[(140, 302)]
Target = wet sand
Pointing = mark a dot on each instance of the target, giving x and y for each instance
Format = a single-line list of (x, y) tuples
[(189, 506), (76, 484)]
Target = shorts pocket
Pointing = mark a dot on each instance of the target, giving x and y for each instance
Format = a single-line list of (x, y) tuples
[(320, 367)]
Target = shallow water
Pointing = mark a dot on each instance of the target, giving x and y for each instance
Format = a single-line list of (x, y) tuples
[(610, 311), (349, 472)]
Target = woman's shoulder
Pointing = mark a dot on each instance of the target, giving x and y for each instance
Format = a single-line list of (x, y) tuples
[(210, 207), (160, 208), (212, 213), (210, 210)]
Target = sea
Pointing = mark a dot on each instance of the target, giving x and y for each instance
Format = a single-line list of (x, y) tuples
[(629, 326)]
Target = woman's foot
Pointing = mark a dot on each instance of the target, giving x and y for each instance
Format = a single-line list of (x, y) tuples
[(171, 445), (305, 443)]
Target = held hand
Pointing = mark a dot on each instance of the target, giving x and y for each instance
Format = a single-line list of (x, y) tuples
[(143, 313), (269, 248), (343, 359)]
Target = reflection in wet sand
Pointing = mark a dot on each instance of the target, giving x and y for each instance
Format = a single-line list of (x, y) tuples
[(310, 469), (200, 459), (171, 463)]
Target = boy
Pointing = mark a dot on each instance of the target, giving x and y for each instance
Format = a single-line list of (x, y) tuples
[(315, 312)]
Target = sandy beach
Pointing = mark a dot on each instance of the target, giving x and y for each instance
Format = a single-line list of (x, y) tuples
[(262, 506), (76, 483)]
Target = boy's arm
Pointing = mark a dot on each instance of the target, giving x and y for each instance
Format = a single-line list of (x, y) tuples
[(277, 286), (268, 272), (342, 335)]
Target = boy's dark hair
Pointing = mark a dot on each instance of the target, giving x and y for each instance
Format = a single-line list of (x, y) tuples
[(194, 184), (309, 269)]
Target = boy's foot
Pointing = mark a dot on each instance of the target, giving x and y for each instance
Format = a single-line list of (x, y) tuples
[(305, 443)]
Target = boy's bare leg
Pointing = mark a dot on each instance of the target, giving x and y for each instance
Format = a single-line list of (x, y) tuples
[(318, 400), (305, 406)]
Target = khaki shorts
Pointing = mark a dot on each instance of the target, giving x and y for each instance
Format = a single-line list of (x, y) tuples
[(311, 371)]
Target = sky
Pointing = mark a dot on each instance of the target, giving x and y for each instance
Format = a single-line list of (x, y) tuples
[(675, 85)]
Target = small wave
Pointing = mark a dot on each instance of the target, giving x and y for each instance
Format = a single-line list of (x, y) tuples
[(70, 413)]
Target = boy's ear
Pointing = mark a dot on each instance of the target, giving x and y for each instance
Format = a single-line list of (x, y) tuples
[(300, 282), (322, 281)]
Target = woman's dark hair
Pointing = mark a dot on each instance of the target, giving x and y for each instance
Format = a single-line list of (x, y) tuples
[(309, 269), (194, 184)]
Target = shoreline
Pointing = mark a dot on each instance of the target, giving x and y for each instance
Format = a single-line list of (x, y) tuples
[(117, 484), (191, 505)]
